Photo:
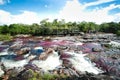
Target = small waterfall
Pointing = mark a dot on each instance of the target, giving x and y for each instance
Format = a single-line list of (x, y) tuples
[(1, 72), (81, 64), (50, 63)]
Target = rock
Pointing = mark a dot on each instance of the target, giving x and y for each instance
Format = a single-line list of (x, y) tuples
[(43, 56), (66, 63), (96, 50)]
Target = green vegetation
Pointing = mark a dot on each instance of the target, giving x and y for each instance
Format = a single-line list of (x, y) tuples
[(108, 46), (6, 37), (118, 32), (33, 75), (47, 77), (111, 27), (57, 27)]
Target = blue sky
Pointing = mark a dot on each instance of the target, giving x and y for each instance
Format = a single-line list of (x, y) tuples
[(32, 11), (44, 6)]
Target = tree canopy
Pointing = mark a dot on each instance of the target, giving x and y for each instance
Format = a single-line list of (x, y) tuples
[(59, 27)]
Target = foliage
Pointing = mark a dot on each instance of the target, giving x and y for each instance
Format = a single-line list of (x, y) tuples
[(118, 33), (57, 27), (38, 76), (108, 46), (110, 27), (6, 37)]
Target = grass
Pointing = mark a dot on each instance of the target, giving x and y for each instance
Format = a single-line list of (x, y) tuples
[(5, 37)]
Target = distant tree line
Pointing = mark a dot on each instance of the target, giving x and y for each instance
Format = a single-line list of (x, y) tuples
[(57, 27)]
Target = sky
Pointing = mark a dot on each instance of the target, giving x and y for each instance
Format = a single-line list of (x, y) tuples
[(33, 11)]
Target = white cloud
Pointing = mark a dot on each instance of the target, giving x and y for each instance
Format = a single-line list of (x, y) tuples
[(4, 1), (117, 17), (75, 11), (25, 17), (97, 2), (5, 17), (1, 2), (72, 11)]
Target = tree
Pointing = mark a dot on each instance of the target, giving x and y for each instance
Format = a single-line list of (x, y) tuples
[(34, 29), (14, 29), (83, 26), (44, 22), (113, 27), (118, 33), (104, 27), (5, 29)]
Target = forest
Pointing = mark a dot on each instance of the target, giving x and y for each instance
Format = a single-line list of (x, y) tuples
[(57, 27)]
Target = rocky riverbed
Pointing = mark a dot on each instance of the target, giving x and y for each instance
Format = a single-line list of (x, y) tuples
[(63, 58)]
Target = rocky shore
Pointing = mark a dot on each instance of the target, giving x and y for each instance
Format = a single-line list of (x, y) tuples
[(88, 57)]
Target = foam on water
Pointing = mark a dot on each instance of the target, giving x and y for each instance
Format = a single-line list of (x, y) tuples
[(6, 53), (3, 53), (78, 43), (38, 48), (81, 64), (9, 64), (50, 63), (115, 44), (1, 72)]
